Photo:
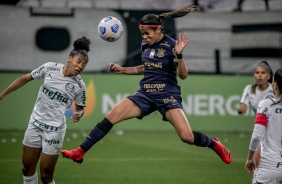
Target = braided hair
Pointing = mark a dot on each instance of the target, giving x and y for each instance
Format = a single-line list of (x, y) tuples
[(81, 46)]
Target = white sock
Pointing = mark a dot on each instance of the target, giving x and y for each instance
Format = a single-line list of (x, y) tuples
[(31, 179), (53, 182)]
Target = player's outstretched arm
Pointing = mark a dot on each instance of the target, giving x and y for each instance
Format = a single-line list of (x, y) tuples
[(136, 70), (18, 83), (180, 44)]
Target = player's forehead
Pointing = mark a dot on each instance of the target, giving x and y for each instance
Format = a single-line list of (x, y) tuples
[(260, 69), (80, 57), (145, 30)]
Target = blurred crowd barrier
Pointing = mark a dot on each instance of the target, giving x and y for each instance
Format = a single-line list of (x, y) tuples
[(207, 5)]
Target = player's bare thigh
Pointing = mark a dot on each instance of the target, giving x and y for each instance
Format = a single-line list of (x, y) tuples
[(178, 119), (125, 109)]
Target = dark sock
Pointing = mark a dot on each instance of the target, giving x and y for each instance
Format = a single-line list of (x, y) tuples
[(202, 140), (96, 134)]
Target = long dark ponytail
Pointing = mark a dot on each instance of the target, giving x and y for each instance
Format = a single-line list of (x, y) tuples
[(153, 19)]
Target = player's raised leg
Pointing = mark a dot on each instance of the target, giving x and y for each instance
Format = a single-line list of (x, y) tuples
[(125, 109), (179, 121)]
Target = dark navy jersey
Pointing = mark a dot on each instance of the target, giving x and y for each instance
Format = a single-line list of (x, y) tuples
[(160, 67)]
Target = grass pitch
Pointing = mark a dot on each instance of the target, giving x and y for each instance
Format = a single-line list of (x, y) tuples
[(136, 157)]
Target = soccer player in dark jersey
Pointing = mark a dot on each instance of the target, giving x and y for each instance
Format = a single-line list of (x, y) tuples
[(162, 63)]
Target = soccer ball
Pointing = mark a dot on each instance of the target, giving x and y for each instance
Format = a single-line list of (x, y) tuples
[(110, 29)]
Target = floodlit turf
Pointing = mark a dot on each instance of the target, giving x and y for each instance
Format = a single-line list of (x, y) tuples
[(136, 157)]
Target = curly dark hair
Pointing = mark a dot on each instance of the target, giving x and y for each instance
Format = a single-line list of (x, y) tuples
[(82, 46)]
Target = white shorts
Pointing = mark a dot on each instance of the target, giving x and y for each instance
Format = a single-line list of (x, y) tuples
[(254, 179), (269, 172), (51, 142)]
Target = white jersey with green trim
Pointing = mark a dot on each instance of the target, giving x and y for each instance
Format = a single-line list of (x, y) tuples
[(252, 99), (56, 94)]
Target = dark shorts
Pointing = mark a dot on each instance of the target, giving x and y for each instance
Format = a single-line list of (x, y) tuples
[(150, 103)]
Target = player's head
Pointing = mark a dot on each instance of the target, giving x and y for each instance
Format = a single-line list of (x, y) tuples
[(151, 24), (277, 82), (263, 73), (78, 57)]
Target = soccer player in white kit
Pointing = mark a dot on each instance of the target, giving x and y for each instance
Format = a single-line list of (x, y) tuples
[(268, 132), (45, 133), (253, 94)]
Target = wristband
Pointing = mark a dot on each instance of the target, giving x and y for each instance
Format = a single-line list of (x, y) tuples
[(179, 56)]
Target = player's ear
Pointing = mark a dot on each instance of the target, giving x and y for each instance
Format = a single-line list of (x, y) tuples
[(70, 59), (159, 29)]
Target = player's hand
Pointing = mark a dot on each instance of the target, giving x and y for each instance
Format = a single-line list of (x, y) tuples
[(181, 42), (242, 108), (115, 68), (77, 115), (250, 166)]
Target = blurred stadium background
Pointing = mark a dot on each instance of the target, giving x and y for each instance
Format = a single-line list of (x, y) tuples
[(227, 39)]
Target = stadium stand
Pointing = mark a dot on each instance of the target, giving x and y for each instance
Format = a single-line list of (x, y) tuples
[(207, 5), (254, 5), (275, 5)]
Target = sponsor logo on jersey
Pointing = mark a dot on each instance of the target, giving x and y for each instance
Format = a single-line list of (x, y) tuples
[(165, 44), (278, 165), (53, 69), (265, 111), (278, 110), (171, 100), (154, 87), (52, 141), (38, 70), (153, 65), (55, 95), (44, 126), (83, 97)]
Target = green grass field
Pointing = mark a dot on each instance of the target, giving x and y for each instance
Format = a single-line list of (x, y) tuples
[(136, 157)]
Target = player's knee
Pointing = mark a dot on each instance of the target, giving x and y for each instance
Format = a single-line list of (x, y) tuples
[(187, 138), (27, 171), (46, 176)]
